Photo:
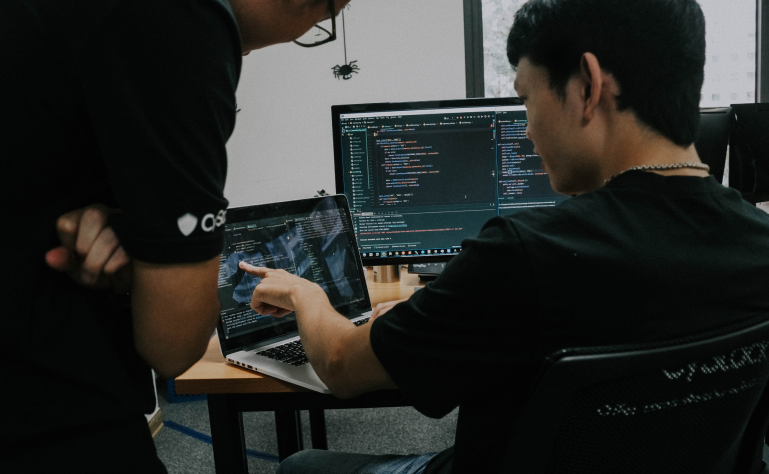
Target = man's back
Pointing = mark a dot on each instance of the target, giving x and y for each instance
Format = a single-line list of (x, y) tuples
[(645, 258), (658, 256)]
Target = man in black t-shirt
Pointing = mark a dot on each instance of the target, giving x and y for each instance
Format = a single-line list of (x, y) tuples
[(650, 248), (127, 103)]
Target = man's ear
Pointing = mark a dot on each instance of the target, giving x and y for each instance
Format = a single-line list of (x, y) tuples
[(593, 83)]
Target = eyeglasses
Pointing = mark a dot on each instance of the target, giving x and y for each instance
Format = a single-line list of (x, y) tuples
[(328, 35)]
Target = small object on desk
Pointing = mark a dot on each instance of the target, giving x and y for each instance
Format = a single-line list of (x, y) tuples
[(427, 271), (387, 273)]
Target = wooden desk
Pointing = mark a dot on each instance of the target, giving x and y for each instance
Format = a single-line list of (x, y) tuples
[(232, 391)]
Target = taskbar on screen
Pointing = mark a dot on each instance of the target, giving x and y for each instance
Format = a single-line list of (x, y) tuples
[(410, 253)]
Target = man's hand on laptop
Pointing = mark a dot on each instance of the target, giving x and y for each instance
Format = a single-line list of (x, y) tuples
[(278, 291), (339, 351), (382, 308), (90, 252)]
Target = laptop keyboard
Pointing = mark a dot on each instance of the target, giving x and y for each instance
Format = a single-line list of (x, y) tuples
[(293, 352)]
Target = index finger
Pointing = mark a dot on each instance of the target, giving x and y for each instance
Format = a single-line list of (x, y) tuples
[(260, 272)]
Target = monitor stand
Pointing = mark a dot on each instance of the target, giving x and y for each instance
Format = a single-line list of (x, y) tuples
[(427, 271), (387, 273)]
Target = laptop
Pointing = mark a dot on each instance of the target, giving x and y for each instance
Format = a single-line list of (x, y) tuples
[(313, 238)]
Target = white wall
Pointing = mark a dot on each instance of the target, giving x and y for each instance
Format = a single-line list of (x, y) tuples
[(282, 146)]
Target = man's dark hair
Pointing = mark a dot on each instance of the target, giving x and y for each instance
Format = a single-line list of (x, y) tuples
[(654, 48)]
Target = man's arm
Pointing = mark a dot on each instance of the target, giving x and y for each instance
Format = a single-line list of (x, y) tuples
[(339, 351), (175, 310), (175, 307)]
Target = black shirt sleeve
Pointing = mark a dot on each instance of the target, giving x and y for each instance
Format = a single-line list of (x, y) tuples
[(159, 81), (468, 330)]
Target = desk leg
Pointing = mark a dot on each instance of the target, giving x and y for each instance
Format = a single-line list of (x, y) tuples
[(288, 426), (227, 436), (318, 429)]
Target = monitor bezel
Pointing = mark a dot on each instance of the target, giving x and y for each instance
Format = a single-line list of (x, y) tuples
[(338, 110)]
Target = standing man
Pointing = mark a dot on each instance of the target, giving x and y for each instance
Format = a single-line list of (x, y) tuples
[(127, 103), (650, 248)]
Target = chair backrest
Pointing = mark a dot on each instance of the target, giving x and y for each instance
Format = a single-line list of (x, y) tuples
[(690, 405), (749, 151), (712, 139)]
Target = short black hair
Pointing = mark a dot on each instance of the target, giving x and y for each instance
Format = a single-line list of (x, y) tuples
[(655, 49)]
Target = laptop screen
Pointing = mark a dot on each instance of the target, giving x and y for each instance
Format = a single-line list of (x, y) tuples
[(311, 238)]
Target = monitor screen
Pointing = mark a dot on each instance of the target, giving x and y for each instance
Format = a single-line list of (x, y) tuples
[(421, 177)]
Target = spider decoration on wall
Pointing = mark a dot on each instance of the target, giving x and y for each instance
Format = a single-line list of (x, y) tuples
[(347, 69)]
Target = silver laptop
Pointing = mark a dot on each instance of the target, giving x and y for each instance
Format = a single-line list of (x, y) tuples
[(312, 238)]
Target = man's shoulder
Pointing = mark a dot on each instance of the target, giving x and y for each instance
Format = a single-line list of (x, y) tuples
[(635, 198), (74, 23), (65, 20), (545, 218)]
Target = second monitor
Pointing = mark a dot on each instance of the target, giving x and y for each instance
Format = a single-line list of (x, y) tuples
[(421, 177)]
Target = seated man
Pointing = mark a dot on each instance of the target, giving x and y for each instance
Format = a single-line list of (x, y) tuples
[(649, 248)]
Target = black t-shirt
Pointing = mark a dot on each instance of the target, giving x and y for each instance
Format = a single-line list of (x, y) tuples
[(645, 258), (123, 102)]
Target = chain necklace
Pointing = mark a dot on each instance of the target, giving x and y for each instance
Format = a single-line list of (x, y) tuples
[(671, 166)]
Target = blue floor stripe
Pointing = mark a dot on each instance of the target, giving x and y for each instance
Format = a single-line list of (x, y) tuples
[(207, 439)]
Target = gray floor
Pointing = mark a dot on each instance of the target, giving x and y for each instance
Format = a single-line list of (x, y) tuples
[(375, 431)]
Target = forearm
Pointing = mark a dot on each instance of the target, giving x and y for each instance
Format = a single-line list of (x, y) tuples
[(339, 351), (321, 329)]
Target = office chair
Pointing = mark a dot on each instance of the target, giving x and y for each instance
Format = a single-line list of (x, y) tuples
[(713, 137), (693, 405), (749, 151)]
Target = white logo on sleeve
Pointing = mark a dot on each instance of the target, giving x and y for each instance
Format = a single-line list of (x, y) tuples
[(208, 223), (187, 223)]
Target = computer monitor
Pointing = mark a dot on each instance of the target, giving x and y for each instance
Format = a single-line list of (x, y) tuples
[(713, 138), (421, 177)]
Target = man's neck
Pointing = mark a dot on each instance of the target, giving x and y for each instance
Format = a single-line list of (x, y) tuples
[(633, 144)]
